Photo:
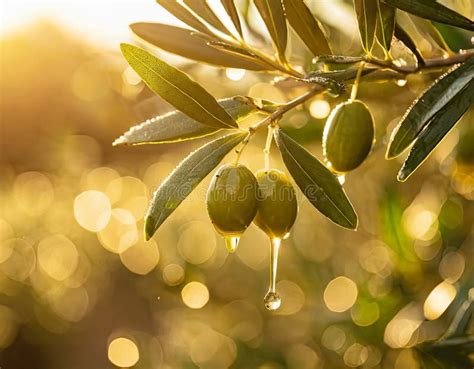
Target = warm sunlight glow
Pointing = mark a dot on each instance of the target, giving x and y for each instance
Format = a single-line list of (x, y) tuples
[(340, 294), (195, 295), (123, 352), (319, 109), (439, 300), (92, 210)]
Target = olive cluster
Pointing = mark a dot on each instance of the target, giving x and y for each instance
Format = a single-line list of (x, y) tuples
[(236, 197)]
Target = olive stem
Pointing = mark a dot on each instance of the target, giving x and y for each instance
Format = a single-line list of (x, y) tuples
[(276, 115), (355, 87), (268, 144), (244, 143), (429, 63)]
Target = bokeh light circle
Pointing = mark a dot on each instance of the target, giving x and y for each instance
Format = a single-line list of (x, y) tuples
[(195, 295)]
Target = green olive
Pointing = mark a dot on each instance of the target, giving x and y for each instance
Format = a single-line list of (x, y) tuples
[(348, 136), (277, 207), (232, 199)]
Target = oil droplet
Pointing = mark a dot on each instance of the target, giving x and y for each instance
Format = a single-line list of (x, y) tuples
[(272, 300), (401, 82), (231, 242), (341, 178)]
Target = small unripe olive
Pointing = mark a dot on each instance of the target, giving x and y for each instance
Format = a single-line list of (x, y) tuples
[(232, 199), (277, 207), (348, 136)]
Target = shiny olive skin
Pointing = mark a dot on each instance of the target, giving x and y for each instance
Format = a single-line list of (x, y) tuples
[(232, 199), (277, 207), (348, 136)]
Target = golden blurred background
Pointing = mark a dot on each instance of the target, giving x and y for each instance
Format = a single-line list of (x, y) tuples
[(79, 288)]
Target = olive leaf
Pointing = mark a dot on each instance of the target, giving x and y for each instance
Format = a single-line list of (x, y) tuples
[(336, 75), (177, 88), (338, 59), (438, 95), (184, 15), (430, 9), (332, 85), (405, 38), (317, 183), (423, 31), (436, 129), (460, 322), (191, 45), (185, 177), (463, 345), (241, 53), (366, 12), (176, 126), (231, 10), (385, 24), (306, 26), (202, 9), (273, 16)]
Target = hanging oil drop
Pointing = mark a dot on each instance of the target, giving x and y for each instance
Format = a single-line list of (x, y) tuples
[(231, 243), (272, 300)]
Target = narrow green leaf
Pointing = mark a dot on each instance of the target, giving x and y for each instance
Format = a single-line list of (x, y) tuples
[(191, 45), (404, 37), (438, 95), (231, 10), (273, 16), (306, 26), (460, 345), (366, 12), (176, 126), (385, 24), (460, 322), (428, 32), (338, 59), (331, 84), (177, 88), (202, 9), (184, 15), (337, 75), (434, 11), (187, 175), (436, 130), (241, 53), (317, 183)]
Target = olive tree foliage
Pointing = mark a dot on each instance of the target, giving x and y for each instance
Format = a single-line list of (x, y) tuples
[(383, 26)]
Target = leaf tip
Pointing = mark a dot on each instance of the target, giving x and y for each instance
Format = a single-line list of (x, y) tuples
[(150, 227), (389, 154), (119, 141), (124, 47), (402, 176), (352, 223)]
